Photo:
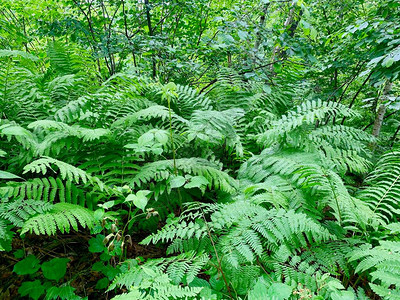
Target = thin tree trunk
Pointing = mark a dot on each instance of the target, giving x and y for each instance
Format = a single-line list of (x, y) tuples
[(151, 33), (381, 112), (394, 136), (261, 25), (379, 120), (357, 93), (293, 23)]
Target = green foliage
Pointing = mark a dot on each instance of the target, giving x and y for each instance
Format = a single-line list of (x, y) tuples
[(162, 170), (383, 263), (61, 217), (200, 149), (382, 186), (55, 269), (32, 288), (151, 283), (67, 171), (28, 265), (63, 292)]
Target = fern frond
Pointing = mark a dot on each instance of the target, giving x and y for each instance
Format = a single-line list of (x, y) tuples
[(382, 186), (155, 111), (216, 127), (17, 53), (60, 59), (268, 230), (72, 110), (49, 189), (305, 114), (27, 139), (152, 284), (67, 171), (384, 260), (63, 217), (18, 211), (86, 134)]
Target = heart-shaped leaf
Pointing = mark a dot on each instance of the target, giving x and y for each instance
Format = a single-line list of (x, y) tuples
[(55, 269), (28, 265), (177, 182)]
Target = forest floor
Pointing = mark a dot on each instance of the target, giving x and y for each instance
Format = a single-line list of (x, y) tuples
[(80, 274)]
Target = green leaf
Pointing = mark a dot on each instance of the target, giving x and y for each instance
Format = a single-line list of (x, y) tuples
[(342, 295), (96, 244), (161, 136), (259, 290), (55, 269), (135, 294), (33, 289), (242, 35), (107, 204), (16, 53), (375, 60), (267, 89), (388, 62), (28, 265), (279, 291), (8, 175), (141, 199), (63, 293), (313, 33), (197, 181), (19, 253), (102, 283), (157, 151), (145, 139), (98, 214), (177, 182)]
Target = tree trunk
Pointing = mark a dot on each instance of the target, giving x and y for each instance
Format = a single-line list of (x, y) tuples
[(379, 120), (151, 33), (381, 112), (262, 22), (293, 23)]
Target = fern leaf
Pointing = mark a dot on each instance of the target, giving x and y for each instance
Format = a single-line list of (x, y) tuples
[(62, 217)]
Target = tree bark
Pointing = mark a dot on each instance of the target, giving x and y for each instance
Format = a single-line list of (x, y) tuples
[(379, 120), (293, 23), (381, 112)]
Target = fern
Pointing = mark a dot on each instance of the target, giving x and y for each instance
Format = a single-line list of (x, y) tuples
[(164, 169), (66, 170), (63, 217), (151, 283), (312, 177), (50, 189), (253, 186), (382, 186), (305, 114), (19, 211), (215, 127), (16, 53), (248, 226), (86, 134), (72, 110), (383, 265), (60, 59), (274, 228)]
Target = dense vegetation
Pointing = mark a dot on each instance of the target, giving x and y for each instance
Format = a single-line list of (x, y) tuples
[(199, 149)]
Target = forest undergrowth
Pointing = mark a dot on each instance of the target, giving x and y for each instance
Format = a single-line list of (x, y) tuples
[(254, 155)]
